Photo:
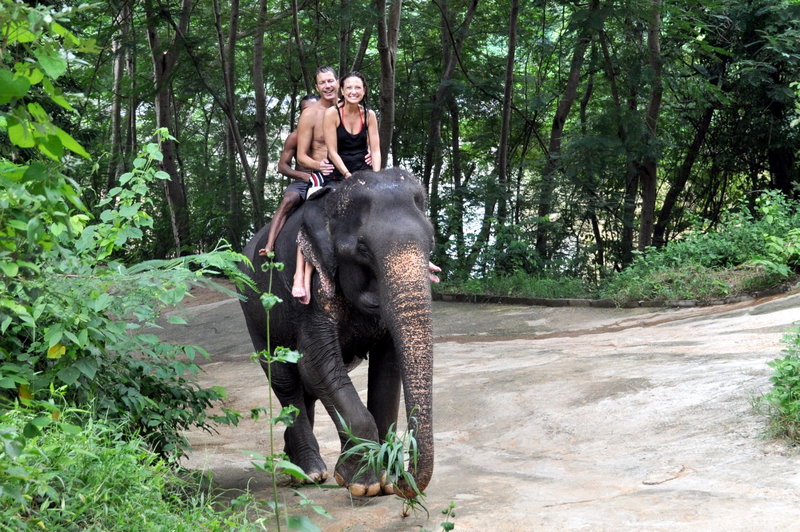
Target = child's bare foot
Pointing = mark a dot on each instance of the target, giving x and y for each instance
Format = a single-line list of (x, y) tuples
[(298, 291), (264, 252)]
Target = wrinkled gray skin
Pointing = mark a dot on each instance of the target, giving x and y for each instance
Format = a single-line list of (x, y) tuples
[(370, 241)]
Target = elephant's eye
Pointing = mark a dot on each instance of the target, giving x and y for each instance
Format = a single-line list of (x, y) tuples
[(362, 249)]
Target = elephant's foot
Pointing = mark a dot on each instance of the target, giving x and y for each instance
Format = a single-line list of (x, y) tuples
[(313, 467), (367, 485), (360, 488), (317, 477)]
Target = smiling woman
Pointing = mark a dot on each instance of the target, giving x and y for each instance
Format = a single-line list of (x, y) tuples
[(351, 129)]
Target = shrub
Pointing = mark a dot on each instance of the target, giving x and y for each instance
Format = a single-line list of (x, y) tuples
[(747, 251), (68, 478), (782, 403)]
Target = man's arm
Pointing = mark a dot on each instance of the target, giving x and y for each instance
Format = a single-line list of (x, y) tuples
[(285, 161)]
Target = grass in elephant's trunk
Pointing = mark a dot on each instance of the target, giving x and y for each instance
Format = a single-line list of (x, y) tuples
[(409, 318)]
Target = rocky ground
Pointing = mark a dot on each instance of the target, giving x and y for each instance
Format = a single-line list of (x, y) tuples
[(548, 418)]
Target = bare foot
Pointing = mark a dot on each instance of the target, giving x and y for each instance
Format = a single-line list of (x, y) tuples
[(432, 270), (299, 292), (264, 252)]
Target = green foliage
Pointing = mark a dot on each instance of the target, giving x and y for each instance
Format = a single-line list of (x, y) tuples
[(68, 478), (33, 54), (519, 284), (70, 315), (392, 457), (782, 403), (752, 249)]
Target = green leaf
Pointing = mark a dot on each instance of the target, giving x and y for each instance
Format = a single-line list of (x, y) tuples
[(13, 448), (51, 146), (18, 32), (102, 302), (53, 335), (10, 269), (19, 133), (70, 429), (12, 87), (71, 144), (87, 366), (69, 375), (38, 113), (51, 61), (269, 300), (301, 522), (292, 470)]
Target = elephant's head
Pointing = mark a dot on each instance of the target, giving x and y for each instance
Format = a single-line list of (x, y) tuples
[(372, 236)]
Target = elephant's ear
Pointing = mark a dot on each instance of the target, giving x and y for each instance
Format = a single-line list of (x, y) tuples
[(316, 226)]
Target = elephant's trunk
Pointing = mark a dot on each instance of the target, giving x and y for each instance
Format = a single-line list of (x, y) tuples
[(408, 315)]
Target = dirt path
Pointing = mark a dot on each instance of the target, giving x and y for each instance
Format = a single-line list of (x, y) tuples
[(558, 419)]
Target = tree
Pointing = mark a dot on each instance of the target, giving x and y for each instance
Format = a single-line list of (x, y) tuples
[(165, 60)]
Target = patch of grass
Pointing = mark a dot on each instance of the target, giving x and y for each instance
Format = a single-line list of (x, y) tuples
[(519, 284), (692, 281), (94, 477)]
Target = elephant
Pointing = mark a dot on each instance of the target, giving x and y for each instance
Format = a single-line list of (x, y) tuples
[(370, 241)]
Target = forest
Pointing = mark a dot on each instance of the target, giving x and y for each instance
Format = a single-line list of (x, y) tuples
[(552, 137), (645, 149)]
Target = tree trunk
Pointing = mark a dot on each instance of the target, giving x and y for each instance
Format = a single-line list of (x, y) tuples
[(458, 185), (388, 32), (345, 32), (648, 176), (260, 124), (451, 48), (362, 48), (505, 128), (550, 172), (301, 55), (164, 64), (133, 102), (227, 61), (119, 52), (679, 184)]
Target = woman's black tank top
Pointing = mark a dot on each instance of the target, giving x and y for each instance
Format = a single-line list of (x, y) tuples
[(352, 148)]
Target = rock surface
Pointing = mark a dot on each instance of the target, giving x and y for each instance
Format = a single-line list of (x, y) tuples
[(563, 418)]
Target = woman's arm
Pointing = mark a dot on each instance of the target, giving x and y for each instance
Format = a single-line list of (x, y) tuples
[(329, 125), (374, 140)]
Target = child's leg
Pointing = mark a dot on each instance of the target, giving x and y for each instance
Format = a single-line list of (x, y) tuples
[(309, 271), (298, 290)]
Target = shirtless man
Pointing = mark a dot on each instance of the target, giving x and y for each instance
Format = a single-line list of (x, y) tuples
[(296, 191), (311, 151)]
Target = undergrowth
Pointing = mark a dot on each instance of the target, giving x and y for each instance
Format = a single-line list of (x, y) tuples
[(781, 404), (81, 473), (754, 249)]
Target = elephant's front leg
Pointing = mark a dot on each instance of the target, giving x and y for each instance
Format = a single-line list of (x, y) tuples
[(323, 371)]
